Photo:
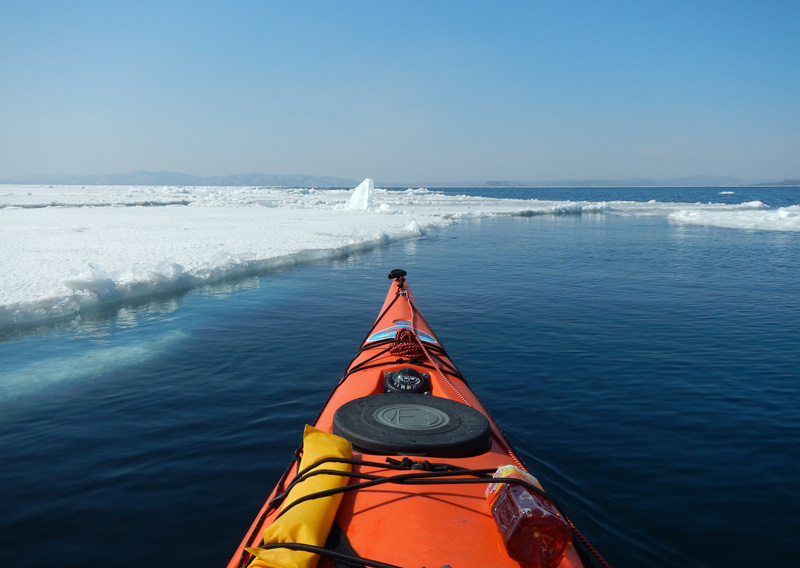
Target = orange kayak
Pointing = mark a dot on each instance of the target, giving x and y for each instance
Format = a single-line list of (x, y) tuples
[(404, 467)]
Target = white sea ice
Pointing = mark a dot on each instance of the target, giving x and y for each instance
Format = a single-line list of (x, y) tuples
[(755, 218), (363, 196), (65, 248)]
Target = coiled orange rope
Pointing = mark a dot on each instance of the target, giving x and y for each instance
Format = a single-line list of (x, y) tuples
[(406, 345)]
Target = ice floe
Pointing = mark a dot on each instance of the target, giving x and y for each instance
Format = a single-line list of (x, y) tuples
[(66, 248)]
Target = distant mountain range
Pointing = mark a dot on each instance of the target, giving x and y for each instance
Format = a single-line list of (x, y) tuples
[(140, 177), (786, 182), (691, 181)]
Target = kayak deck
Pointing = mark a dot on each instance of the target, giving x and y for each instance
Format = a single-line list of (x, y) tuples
[(423, 452)]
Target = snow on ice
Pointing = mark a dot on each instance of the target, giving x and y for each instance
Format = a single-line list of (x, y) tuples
[(64, 248)]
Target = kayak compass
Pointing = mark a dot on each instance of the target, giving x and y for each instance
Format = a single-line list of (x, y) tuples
[(407, 380)]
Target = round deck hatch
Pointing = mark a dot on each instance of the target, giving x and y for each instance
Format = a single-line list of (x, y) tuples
[(411, 424)]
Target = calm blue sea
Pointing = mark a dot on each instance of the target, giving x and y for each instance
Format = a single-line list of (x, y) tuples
[(648, 373)]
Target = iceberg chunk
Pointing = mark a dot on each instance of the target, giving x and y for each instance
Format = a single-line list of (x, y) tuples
[(363, 196)]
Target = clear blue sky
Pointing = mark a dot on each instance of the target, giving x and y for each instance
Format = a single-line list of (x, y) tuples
[(402, 91)]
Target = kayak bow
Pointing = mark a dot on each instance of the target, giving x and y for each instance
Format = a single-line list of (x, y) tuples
[(404, 467)]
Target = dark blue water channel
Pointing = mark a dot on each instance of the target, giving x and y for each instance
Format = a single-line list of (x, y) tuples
[(649, 374)]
